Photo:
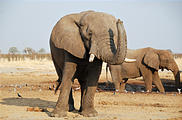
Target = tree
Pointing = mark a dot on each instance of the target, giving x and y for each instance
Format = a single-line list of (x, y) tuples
[(41, 51), (29, 50), (13, 50)]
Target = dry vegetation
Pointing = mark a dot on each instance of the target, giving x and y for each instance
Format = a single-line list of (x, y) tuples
[(23, 57), (33, 77)]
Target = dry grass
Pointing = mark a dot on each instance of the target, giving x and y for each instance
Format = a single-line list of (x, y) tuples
[(23, 57)]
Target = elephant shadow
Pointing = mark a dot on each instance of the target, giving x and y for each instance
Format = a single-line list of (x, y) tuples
[(31, 102), (169, 86), (109, 86)]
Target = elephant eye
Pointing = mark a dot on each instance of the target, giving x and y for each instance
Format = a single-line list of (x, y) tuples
[(89, 31)]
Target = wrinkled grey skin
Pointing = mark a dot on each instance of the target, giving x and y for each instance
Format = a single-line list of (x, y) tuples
[(148, 62), (73, 39)]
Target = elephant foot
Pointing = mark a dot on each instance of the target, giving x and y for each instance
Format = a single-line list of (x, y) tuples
[(71, 108), (162, 91), (80, 110), (58, 113), (149, 91), (89, 113), (122, 91)]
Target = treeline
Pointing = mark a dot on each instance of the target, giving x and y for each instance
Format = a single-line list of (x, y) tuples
[(36, 56), (23, 57)]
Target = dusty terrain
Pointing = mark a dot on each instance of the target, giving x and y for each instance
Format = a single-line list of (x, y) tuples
[(34, 81)]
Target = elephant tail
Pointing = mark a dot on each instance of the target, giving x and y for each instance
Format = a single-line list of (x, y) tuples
[(107, 68), (58, 83)]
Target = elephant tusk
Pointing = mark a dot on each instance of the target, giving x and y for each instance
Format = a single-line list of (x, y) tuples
[(129, 60), (91, 58)]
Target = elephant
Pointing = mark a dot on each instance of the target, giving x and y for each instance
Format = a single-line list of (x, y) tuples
[(79, 43), (148, 62)]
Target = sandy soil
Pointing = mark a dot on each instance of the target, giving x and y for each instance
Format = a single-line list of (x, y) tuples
[(34, 81)]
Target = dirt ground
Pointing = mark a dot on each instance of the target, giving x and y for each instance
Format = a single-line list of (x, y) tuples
[(34, 81)]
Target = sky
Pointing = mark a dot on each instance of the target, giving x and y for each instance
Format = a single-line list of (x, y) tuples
[(148, 23)]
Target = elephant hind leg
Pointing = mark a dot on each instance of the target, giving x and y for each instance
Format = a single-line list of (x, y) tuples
[(62, 103), (59, 73), (157, 82), (59, 70)]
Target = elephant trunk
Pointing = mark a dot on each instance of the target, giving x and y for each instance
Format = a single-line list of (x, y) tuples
[(176, 74), (107, 50), (121, 45)]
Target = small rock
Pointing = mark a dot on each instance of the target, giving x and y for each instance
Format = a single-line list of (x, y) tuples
[(36, 109)]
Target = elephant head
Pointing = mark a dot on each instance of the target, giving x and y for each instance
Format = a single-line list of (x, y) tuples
[(101, 32), (92, 34), (162, 59)]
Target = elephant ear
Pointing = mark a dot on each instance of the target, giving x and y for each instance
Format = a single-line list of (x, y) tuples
[(66, 35), (152, 60)]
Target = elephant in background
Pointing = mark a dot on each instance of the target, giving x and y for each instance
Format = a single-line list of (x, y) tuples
[(79, 44), (148, 62)]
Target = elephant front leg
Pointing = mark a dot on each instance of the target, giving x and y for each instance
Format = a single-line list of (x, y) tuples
[(87, 107), (147, 76), (62, 103), (87, 104), (157, 82), (116, 76)]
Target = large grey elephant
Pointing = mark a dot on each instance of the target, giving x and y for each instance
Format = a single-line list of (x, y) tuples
[(79, 43), (148, 62)]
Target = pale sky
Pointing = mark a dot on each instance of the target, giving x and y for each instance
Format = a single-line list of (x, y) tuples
[(28, 23)]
